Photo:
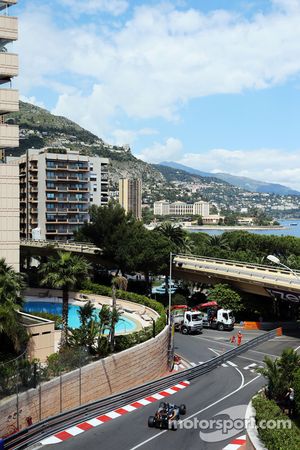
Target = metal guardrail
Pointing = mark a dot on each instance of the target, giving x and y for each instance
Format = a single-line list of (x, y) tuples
[(232, 262), (73, 245), (52, 425), (237, 267)]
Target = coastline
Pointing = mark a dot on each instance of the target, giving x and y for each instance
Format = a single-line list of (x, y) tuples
[(232, 228)]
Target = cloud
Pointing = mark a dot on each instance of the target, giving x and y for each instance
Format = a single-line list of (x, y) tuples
[(114, 7), (159, 152), (155, 62), (122, 136), (32, 100), (270, 165)]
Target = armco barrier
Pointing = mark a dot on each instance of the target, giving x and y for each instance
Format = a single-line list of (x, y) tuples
[(38, 431)]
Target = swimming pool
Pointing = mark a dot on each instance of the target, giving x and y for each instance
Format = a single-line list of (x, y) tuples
[(124, 325)]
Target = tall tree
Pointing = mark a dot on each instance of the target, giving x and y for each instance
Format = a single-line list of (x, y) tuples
[(175, 234), (120, 283), (12, 335), (62, 272)]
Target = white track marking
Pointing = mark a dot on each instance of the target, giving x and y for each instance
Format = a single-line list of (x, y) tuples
[(198, 412)]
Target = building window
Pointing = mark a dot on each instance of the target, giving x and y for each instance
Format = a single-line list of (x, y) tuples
[(50, 195)]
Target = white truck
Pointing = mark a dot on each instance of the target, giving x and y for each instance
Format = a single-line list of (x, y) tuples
[(187, 321), (215, 317)]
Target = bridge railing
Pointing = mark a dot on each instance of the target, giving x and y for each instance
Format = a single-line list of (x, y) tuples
[(59, 244), (224, 262), (50, 426)]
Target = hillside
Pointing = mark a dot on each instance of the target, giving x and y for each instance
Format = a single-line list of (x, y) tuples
[(39, 128), (243, 182)]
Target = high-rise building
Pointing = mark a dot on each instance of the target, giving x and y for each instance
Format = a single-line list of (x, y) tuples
[(57, 190), (9, 138), (130, 196)]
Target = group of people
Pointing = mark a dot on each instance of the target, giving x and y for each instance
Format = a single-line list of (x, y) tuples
[(236, 338)]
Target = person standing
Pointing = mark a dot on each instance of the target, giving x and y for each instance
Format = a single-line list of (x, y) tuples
[(239, 338)]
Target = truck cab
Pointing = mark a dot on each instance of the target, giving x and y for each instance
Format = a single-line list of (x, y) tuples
[(187, 321), (217, 318)]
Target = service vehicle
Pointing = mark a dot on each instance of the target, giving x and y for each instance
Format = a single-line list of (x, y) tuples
[(186, 320), (216, 317), (166, 416)]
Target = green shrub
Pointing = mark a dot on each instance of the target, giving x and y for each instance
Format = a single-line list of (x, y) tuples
[(276, 438), (56, 318), (296, 386)]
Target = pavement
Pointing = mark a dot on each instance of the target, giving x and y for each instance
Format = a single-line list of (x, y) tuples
[(224, 392)]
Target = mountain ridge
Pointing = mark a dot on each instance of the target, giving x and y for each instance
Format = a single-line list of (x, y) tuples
[(246, 183)]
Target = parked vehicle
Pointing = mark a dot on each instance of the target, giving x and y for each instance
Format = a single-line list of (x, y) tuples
[(186, 321), (216, 317)]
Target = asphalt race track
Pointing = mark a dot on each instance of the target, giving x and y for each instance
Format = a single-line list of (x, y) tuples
[(229, 385)]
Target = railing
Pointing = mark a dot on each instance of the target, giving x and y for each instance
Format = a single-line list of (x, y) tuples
[(79, 246), (238, 267), (41, 430)]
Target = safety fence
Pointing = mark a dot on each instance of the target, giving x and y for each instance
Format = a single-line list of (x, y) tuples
[(52, 425)]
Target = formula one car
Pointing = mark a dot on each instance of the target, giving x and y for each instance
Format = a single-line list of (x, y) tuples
[(166, 416)]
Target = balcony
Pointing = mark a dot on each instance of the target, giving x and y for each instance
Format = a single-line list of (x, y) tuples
[(9, 66), (5, 3), (9, 134), (9, 100), (8, 28)]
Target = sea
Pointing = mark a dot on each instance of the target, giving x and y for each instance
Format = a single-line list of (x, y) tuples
[(288, 230)]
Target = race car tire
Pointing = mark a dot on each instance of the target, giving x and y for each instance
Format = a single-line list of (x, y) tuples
[(182, 410), (174, 425), (151, 421)]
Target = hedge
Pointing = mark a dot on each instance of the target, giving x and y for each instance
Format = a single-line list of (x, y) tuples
[(275, 438), (94, 288)]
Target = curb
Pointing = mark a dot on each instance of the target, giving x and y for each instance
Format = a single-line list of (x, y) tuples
[(236, 444), (96, 421)]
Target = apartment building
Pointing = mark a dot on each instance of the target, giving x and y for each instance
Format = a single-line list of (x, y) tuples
[(164, 208), (9, 138), (130, 196), (57, 190)]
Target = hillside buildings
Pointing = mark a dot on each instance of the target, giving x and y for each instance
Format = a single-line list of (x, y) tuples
[(9, 138), (57, 190), (164, 208), (130, 196)]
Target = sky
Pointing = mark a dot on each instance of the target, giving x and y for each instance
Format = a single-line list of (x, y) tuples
[(212, 84)]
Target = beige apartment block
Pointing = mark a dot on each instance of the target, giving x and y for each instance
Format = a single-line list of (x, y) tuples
[(130, 196), (9, 138), (9, 214), (57, 190)]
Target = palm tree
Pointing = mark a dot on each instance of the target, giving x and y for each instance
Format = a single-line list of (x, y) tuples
[(120, 283), (11, 288), (272, 372), (175, 234), (220, 242), (62, 272)]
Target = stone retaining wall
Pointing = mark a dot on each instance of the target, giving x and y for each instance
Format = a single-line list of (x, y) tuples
[(111, 375)]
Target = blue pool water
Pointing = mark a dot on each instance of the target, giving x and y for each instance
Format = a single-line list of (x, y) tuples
[(123, 325)]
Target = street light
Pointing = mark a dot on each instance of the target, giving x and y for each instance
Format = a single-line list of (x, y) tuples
[(170, 292), (276, 260)]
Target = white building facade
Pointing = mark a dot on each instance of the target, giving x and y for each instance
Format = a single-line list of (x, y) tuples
[(164, 208)]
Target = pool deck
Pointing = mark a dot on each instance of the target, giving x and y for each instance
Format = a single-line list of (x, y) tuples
[(141, 315)]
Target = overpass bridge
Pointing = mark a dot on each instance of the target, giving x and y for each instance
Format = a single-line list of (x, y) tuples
[(45, 248), (268, 281)]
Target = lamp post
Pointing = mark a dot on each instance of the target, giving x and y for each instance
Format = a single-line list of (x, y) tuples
[(170, 292), (277, 261)]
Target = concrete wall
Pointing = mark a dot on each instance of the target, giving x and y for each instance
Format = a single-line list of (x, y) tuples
[(117, 373), (42, 336)]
